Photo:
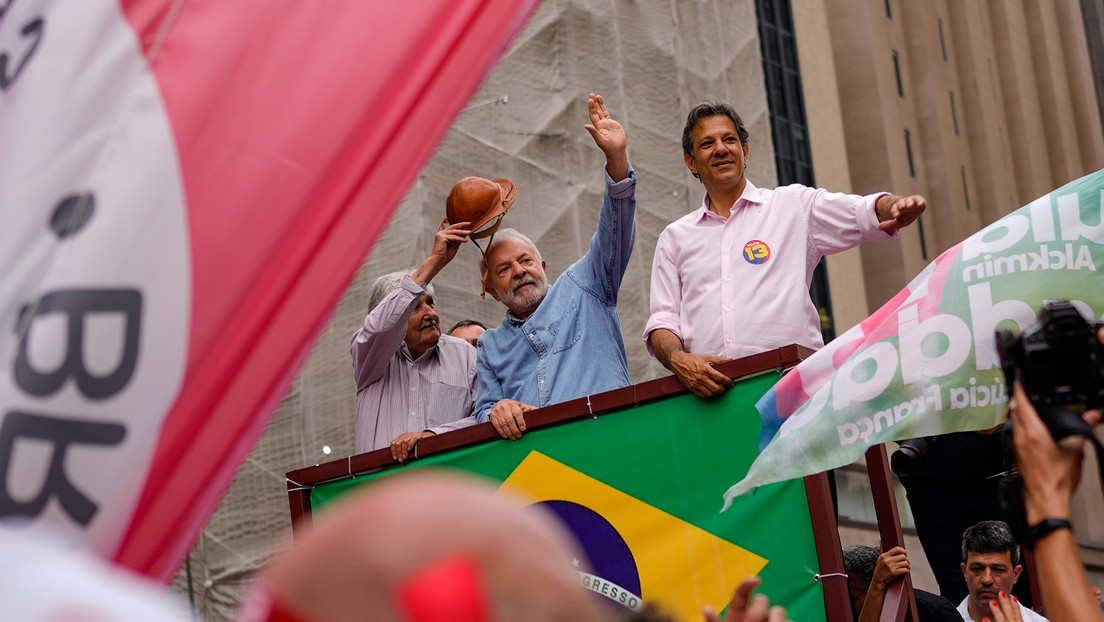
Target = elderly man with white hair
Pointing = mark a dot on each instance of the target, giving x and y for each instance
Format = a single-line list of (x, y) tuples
[(563, 341), (411, 380)]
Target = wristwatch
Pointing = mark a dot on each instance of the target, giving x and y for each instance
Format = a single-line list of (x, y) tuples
[(1045, 526)]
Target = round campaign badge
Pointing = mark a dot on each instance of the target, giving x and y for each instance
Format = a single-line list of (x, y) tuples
[(756, 252)]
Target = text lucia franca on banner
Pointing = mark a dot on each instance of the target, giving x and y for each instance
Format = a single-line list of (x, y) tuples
[(926, 362)]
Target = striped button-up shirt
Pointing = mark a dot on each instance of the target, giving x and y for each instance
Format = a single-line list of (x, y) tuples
[(397, 394)]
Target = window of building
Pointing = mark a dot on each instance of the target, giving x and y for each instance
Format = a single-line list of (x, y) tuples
[(897, 72), (908, 148), (942, 41), (954, 114), (923, 238), (792, 152), (965, 189), (856, 501)]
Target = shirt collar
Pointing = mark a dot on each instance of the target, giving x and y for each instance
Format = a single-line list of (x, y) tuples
[(513, 319), (408, 355), (749, 195)]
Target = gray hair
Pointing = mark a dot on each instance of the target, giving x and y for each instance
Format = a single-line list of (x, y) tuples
[(386, 284), (990, 536), (501, 236), (859, 562)]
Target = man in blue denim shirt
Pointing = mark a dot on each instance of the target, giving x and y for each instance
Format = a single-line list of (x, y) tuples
[(564, 342)]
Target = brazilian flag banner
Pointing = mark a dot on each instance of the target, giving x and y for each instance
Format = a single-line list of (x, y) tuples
[(642, 489)]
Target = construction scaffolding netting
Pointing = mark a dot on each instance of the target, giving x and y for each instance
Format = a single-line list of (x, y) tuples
[(652, 60)]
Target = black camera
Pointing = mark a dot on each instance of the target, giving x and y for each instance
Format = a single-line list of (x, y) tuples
[(1060, 362)]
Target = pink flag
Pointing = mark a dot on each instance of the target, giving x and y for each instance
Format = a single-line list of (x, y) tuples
[(186, 189)]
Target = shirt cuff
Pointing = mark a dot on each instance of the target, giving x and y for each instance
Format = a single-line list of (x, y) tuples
[(409, 285), (484, 417), (459, 424), (623, 188), (868, 225)]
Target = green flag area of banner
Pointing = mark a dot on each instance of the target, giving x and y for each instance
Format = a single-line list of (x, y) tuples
[(644, 485)]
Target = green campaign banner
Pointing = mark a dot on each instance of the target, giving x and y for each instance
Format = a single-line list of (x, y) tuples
[(641, 489), (926, 363)]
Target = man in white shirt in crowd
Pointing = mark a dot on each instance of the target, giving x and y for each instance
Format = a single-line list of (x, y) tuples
[(732, 278), (411, 380), (991, 565)]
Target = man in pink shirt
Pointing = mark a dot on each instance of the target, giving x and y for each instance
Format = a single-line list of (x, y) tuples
[(731, 278)]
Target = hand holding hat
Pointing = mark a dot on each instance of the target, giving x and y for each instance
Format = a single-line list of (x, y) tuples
[(445, 244)]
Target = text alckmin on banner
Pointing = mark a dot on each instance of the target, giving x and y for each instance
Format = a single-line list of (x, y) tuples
[(926, 362)]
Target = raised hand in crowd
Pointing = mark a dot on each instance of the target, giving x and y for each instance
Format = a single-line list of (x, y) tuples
[(745, 608), (1051, 472)]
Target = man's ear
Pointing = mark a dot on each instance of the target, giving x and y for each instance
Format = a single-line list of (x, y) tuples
[(544, 266), (689, 159), (963, 567), (493, 293), (1016, 573)]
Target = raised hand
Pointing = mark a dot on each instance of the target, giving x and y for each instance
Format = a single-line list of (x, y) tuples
[(609, 136), (745, 608), (448, 240), (445, 244)]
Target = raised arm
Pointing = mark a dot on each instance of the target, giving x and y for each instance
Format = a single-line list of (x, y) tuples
[(383, 331), (384, 328), (611, 245)]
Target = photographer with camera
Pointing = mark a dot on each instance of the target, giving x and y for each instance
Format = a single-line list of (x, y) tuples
[(1056, 369), (1051, 471)]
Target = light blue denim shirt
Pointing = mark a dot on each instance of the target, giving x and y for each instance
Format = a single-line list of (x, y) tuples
[(571, 345)]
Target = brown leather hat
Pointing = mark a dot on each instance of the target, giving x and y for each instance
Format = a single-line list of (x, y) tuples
[(478, 201)]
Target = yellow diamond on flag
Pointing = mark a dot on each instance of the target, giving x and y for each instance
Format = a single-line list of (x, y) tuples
[(681, 567)]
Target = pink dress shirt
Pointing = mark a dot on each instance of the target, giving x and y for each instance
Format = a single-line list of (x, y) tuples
[(740, 285)]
